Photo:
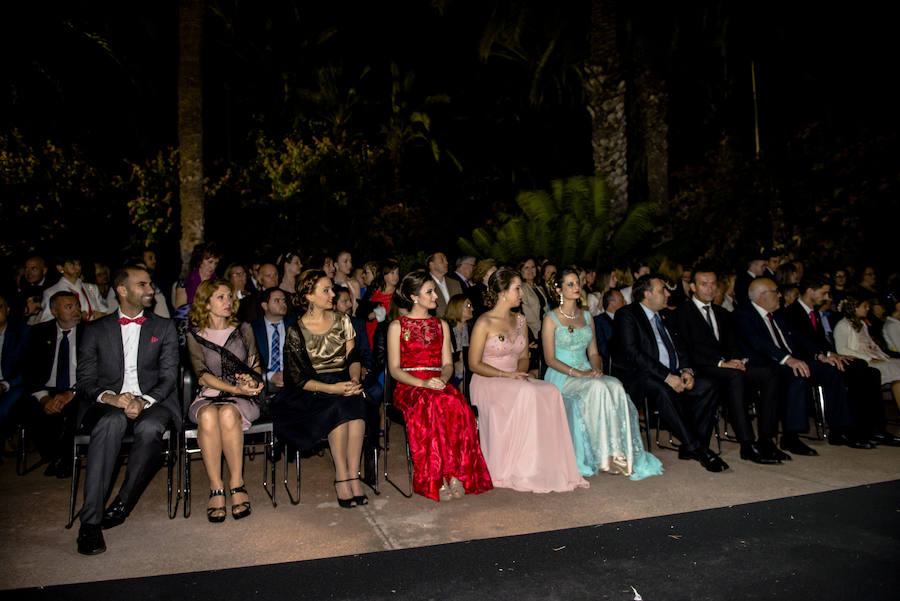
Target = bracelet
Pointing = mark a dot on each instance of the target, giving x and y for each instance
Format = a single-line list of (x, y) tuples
[(570, 370)]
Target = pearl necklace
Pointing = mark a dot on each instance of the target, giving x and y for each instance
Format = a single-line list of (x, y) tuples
[(572, 317)]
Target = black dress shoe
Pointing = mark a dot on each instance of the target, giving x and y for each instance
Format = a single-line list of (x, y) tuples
[(885, 438), (793, 445), (708, 459), (114, 515), (90, 540), (769, 450), (751, 452), (841, 439)]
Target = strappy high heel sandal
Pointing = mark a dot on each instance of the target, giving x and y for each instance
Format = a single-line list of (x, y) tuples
[(361, 499), (239, 510), (216, 515), (457, 489), (345, 503)]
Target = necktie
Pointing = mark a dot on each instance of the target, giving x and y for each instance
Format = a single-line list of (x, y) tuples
[(706, 309), (87, 299), (62, 363), (812, 318), (275, 353), (667, 342), (778, 339), (138, 320)]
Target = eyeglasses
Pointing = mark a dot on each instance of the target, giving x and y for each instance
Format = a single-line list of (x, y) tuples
[(467, 306)]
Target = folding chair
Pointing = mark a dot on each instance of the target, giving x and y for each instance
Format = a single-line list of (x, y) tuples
[(79, 453), (392, 413), (260, 429)]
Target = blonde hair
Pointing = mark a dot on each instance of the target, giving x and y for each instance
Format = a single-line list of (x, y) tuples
[(199, 312), (453, 314)]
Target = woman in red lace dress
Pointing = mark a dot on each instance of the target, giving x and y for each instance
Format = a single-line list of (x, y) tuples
[(443, 440)]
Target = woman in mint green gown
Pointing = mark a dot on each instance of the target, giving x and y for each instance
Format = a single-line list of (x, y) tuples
[(602, 419)]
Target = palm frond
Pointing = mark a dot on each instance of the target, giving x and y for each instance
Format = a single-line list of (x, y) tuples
[(537, 205), (483, 241), (466, 248), (637, 224), (568, 228)]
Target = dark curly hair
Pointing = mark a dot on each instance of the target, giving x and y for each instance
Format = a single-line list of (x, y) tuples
[(500, 282), (306, 284)]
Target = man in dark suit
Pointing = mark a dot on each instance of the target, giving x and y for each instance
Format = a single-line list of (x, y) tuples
[(13, 338), (270, 331), (611, 302), (127, 367), (463, 272), (648, 360), (766, 338), (250, 309), (50, 379), (755, 268), (709, 342), (445, 287), (863, 381)]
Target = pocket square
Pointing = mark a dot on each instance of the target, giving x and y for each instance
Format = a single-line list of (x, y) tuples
[(154, 339)]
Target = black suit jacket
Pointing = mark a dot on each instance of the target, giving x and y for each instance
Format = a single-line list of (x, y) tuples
[(742, 288), (603, 331), (101, 361), (635, 355), (801, 325), (700, 343), (15, 341), (756, 343), (41, 353)]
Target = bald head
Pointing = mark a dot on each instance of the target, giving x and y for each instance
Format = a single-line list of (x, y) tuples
[(764, 293)]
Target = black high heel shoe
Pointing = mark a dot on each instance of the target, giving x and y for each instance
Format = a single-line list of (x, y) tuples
[(243, 507), (345, 503), (216, 515), (361, 499)]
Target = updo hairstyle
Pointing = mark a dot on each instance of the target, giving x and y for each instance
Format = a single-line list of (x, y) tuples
[(499, 283), (410, 285), (558, 280), (306, 284)]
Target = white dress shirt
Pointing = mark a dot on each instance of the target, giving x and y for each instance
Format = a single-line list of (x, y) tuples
[(73, 363), (663, 351), (131, 334), (442, 286), (88, 296), (764, 314)]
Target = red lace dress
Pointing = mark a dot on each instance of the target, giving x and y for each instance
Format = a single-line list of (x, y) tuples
[(443, 439)]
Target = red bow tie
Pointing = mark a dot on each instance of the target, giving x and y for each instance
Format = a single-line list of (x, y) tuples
[(138, 320)]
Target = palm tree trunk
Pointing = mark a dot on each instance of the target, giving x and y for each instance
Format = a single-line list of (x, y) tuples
[(605, 87), (652, 102), (190, 125)]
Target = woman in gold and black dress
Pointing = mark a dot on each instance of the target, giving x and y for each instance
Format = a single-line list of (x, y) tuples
[(322, 395)]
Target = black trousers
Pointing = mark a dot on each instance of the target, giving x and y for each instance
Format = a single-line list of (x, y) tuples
[(864, 390), (837, 408), (738, 388), (108, 426), (53, 433), (689, 414)]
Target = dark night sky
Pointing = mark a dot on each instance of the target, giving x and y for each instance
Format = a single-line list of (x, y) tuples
[(102, 75)]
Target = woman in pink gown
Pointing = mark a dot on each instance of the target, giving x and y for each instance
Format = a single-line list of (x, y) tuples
[(524, 433)]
